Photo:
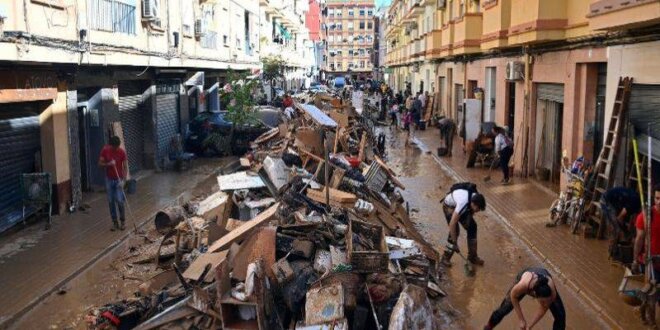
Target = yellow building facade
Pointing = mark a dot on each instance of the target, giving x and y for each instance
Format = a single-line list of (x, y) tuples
[(542, 68)]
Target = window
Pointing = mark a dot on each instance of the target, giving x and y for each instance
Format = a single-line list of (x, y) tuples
[(370, 39), (370, 25), (338, 12), (351, 12), (361, 51), (370, 12), (361, 64), (361, 12), (331, 39), (331, 12), (338, 26), (225, 40), (112, 16), (361, 25), (350, 52), (188, 18), (350, 26), (428, 24)]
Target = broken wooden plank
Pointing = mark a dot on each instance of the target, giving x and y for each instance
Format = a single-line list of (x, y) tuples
[(243, 230), (337, 197), (196, 268), (363, 143)]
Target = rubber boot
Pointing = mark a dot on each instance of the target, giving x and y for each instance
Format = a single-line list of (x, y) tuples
[(446, 258), (472, 253)]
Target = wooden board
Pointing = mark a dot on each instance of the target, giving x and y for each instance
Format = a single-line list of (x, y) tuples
[(239, 233), (310, 140), (338, 198), (196, 268), (340, 118), (363, 143)]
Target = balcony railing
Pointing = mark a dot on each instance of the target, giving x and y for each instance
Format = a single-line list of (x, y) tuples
[(112, 16), (209, 40)]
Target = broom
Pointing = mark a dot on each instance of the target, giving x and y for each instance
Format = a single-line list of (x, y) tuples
[(128, 206), (492, 165)]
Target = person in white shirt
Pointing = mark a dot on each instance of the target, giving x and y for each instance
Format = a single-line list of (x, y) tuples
[(459, 206), (504, 149)]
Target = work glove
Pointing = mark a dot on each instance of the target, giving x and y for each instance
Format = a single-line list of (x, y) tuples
[(452, 246)]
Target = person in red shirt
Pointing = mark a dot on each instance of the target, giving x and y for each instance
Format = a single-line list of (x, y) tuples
[(113, 159), (287, 102), (647, 313), (639, 249)]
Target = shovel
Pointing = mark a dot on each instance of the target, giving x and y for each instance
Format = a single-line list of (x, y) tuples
[(468, 269)]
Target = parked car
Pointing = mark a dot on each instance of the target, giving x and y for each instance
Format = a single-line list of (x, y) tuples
[(278, 92), (215, 123)]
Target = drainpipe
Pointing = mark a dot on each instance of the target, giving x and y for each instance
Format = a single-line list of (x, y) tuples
[(527, 110)]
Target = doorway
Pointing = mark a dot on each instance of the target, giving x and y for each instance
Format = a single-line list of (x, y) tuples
[(511, 108), (490, 93)]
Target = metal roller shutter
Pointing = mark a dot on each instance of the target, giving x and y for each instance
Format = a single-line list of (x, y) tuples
[(550, 92), (132, 120), (19, 142), (643, 110), (167, 117)]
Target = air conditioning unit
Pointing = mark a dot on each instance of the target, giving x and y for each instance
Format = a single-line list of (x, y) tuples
[(199, 28), (514, 70), (156, 23), (150, 9), (442, 4)]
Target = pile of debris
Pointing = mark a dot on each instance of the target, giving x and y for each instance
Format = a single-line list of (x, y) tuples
[(308, 231)]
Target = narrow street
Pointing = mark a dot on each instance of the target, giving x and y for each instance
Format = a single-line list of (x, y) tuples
[(473, 299)]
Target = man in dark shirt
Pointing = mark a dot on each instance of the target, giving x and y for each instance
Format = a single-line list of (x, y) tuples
[(620, 205)]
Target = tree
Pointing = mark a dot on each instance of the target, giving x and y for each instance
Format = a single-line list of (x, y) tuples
[(238, 94), (273, 70)]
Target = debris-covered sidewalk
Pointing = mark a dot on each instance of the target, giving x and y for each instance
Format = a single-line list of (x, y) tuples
[(308, 231)]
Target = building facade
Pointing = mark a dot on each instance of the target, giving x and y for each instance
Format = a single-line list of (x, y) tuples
[(74, 72), (348, 30), (546, 69), (313, 22), (285, 35)]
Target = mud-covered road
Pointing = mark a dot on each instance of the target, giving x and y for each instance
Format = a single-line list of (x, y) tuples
[(471, 300)]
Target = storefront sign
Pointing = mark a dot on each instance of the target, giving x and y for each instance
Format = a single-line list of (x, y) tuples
[(18, 86)]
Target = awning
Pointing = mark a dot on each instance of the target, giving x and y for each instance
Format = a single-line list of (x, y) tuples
[(196, 80)]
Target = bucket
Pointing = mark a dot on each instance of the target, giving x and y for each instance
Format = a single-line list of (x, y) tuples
[(131, 186)]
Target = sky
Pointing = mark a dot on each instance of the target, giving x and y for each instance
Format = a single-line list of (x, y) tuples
[(381, 3)]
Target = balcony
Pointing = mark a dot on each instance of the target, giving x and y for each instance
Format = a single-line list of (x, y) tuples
[(447, 40), (433, 44), (623, 14), (537, 21), (467, 34), (496, 23)]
